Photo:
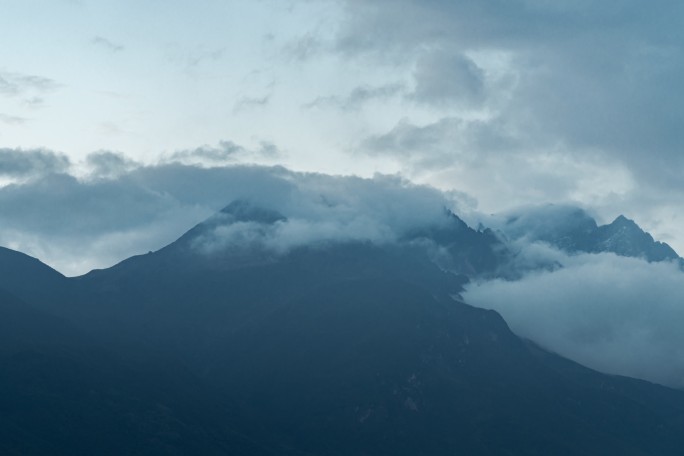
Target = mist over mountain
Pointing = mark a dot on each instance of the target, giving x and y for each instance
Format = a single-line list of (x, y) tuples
[(572, 230), (606, 296), (332, 317)]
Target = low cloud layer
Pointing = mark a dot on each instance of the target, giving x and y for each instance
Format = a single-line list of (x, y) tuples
[(116, 208), (317, 208), (614, 314)]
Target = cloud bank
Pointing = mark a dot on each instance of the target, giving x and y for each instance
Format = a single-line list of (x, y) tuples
[(614, 314), (311, 209), (115, 207)]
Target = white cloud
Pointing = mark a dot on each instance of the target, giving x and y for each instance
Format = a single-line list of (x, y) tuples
[(615, 314), (319, 208)]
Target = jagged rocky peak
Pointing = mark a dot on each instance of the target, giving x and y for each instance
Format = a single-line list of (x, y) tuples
[(624, 237), (627, 231), (462, 249), (626, 225), (621, 221)]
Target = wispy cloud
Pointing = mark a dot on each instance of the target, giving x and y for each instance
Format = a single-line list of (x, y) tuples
[(18, 84), (357, 97), (226, 152), (246, 103), (12, 120), (107, 45), (190, 58)]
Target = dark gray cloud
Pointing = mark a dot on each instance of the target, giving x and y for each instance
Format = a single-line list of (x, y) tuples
[(403, 24), (446, 142), (446, 78), (107, 45), (107, 164), (615, 314), (26, 163), (595, 77), (409, 139)]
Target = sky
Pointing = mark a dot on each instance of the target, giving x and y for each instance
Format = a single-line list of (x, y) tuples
[(497, 103)]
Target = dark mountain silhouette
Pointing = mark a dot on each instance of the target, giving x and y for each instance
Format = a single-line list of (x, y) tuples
[(64, 393), (28, 277), (335, 348)]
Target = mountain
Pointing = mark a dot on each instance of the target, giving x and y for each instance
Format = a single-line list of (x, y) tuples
[(571, 229), (224, 342), (63, 392), (28, 277), (464, 250), (626, 238)]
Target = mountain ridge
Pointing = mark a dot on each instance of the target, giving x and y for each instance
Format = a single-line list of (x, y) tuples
[(337, 348)]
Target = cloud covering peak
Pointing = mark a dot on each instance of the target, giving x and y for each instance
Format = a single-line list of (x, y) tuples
[(121, 208)]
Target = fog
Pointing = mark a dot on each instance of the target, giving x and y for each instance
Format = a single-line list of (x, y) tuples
[(614, 314)]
